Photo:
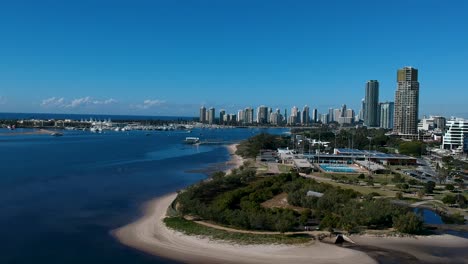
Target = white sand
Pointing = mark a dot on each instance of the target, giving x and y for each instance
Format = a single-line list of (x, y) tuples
[(427, 249), (236, 161), (150, 234)]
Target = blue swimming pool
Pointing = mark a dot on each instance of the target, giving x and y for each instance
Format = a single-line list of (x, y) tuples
[(338, 168)]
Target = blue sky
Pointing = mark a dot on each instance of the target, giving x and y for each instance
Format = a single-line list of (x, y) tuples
[(170, 57)]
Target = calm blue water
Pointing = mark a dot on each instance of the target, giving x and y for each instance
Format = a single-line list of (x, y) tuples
[(60, 196), (428, 216)]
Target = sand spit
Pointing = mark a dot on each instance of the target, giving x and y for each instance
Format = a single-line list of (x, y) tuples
[(149, 234)]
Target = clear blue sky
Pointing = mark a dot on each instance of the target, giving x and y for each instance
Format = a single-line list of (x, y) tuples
[(170, 57)]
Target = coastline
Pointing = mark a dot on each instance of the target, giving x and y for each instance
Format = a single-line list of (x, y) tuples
[(150, 235)]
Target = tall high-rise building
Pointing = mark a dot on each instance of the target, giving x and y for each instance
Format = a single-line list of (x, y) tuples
[(240, 116), (406, 102), (305, 117), (262, 115), (315, 115), (386, 114), (211, 116), (203, 114), (331, 118), (222, 114), (362, 111), (371, 104), (248, 115)]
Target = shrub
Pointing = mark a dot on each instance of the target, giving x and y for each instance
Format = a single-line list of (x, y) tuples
[(408, 223)]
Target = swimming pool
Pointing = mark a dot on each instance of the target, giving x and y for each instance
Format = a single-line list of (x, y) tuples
[(340, 168)]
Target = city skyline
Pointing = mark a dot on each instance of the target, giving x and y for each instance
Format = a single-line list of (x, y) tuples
[(168, 59)]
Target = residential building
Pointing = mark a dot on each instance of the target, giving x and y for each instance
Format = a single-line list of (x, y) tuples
[(371, 104), (222, 114), (262, 115), (248, 115), (386, 111), (315, 115), (305, 116), (406, 102), (240, 116), (211, 116), (203, 114)]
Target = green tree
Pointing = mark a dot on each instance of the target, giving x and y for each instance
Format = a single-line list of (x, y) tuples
[(408, 223), (429, 186), (449, 187), (412, 148)]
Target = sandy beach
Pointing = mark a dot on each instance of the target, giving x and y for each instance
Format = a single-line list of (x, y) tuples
[(149, 234), (235, 161)]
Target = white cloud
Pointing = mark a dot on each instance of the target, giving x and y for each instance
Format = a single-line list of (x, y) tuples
[(150, 104), (79, 102), (53, 102), (75, 103)]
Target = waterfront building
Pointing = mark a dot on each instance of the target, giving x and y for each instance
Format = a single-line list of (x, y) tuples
[(248, 115), (211, 116), (222, 114), (371, 104), (203, 114), (457, 131), (262, 115), (386, 111), (406, 102), (240, 116)]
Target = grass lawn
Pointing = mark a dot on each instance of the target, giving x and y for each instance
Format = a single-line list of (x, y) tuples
[(284, 168), (190, 228)]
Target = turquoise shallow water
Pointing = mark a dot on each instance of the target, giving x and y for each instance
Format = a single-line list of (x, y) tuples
[(60, 196)]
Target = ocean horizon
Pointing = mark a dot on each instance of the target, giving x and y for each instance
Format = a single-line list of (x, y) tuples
[(14, 116)]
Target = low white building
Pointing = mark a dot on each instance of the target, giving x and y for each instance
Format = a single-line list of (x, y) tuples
[(457, 131)]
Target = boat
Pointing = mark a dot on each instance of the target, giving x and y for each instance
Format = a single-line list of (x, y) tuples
[(192, 140), (56, 134)]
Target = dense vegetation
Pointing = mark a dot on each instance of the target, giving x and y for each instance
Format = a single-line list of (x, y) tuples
[(235, 200), (251, 147), (190, 228)]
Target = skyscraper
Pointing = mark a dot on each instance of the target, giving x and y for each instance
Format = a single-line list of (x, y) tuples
[(371, 104), (240, 116), (305, 117), (262, 115), (315, 115), (249, 115), (203, 114), (362, 111), (406, 102), (386, 114), (222, 114), (211, 116)]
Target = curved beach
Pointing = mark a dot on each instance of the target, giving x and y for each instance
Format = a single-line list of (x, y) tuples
[(150, 234)]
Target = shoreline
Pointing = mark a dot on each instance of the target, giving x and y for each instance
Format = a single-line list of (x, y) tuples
[(149, 234)]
